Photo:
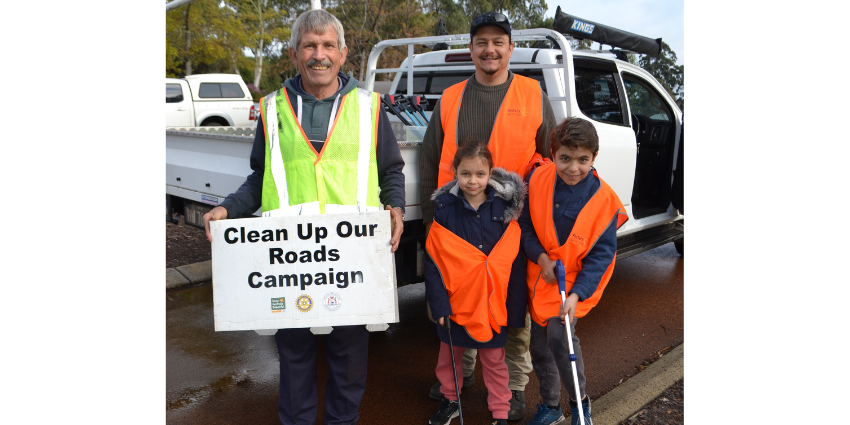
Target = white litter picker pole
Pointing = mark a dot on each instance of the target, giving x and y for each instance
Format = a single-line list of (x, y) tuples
[(315, 4), (562, 287)]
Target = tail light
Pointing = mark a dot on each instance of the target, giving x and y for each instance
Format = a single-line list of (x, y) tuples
[(253, 114)]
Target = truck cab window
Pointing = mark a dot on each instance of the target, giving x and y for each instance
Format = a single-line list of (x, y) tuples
[(209, 90), (173, 93), (597, 95), (645, 102), (231, 90)]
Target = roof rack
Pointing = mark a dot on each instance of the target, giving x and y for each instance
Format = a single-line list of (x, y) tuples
[(620, 54), (560, 41), (583, 29)]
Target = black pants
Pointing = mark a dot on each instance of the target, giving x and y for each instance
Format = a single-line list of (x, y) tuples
[(346, 350)]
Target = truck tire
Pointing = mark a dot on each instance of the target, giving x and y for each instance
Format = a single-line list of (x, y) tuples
[(680, 246), (213, 123)]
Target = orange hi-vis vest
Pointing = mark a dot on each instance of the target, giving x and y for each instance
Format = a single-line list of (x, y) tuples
[(512, 141), (544, 298), (477, 284)]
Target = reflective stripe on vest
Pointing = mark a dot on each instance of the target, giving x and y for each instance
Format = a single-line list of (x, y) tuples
[(343, 177), (477, 284), (513, 139), (592, 221)]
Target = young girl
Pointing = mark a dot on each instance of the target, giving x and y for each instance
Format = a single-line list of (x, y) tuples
[(471, 276)]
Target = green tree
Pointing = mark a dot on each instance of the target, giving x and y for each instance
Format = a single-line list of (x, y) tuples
[(202, 37), (265, 28), (367, 22), (663, 67), (452, 13)]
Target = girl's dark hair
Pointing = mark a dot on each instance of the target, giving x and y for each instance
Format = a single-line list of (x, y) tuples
[(472, 149), (575, 133)]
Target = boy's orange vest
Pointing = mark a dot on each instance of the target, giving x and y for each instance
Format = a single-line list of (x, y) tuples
[(544, 299), (512, 142), (477, 284)]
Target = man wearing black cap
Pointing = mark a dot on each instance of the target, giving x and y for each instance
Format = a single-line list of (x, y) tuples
[(514, 115)]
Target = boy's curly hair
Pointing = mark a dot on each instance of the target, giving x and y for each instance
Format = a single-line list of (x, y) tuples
[(575, 133)]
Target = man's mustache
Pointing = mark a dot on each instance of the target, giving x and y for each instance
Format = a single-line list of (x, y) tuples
[(314, 62)]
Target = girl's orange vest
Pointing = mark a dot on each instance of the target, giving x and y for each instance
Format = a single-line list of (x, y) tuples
[(477, 284), (544, 298), (512, 142)]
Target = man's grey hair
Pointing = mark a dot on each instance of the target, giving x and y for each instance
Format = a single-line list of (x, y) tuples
[(316, 21)]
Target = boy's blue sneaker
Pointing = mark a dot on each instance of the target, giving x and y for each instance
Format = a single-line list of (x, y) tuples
[(585, 407), (547, 416)]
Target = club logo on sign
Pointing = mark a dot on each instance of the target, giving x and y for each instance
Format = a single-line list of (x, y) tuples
[(304, 303), (332, 301)]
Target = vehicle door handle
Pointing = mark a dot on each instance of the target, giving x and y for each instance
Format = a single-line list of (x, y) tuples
[(180, 109)]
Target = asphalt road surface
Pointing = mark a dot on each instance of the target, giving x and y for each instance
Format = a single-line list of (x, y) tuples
[(232, 377)]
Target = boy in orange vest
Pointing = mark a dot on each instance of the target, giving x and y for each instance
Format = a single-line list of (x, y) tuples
[(573, 216), (473, 275)]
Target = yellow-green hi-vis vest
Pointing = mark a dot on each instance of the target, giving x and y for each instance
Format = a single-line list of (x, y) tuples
[(343, 177)]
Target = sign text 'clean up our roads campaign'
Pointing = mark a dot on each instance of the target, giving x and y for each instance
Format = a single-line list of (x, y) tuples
[(303, 271)]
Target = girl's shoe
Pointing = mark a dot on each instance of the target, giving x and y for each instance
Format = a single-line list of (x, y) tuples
[(448, 410)]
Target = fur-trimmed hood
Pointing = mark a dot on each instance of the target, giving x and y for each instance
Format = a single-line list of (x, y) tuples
[(505, 184)]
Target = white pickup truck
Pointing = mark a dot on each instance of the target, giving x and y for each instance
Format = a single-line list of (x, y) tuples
[(639, 125), (208, 100)]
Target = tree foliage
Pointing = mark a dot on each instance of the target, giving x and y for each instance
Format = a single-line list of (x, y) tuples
[(459, 14), (663, 67), (367, 22), (196, 40), (208, 36)]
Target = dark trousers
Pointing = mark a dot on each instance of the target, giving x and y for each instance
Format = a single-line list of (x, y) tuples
[(346, 350), (550, 357)]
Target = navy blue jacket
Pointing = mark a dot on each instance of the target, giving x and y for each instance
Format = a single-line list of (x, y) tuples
[(568, 202), (483, 229)]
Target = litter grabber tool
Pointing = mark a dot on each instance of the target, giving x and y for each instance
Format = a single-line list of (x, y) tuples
[(418, 106), (454, 367), (560, 275), (402, 104), (406, 104), (386, 100)]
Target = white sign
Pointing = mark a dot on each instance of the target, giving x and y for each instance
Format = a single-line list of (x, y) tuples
[(303, 271)]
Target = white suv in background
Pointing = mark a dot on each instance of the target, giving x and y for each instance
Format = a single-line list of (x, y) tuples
[(208, 100)]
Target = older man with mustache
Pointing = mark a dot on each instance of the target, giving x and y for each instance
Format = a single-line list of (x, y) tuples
[(514, 115), (316, 139)]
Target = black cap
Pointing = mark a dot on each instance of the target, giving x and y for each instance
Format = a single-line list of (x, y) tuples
[(495, 19)]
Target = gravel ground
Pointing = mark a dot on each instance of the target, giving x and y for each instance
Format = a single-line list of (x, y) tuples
[(187, 244)]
